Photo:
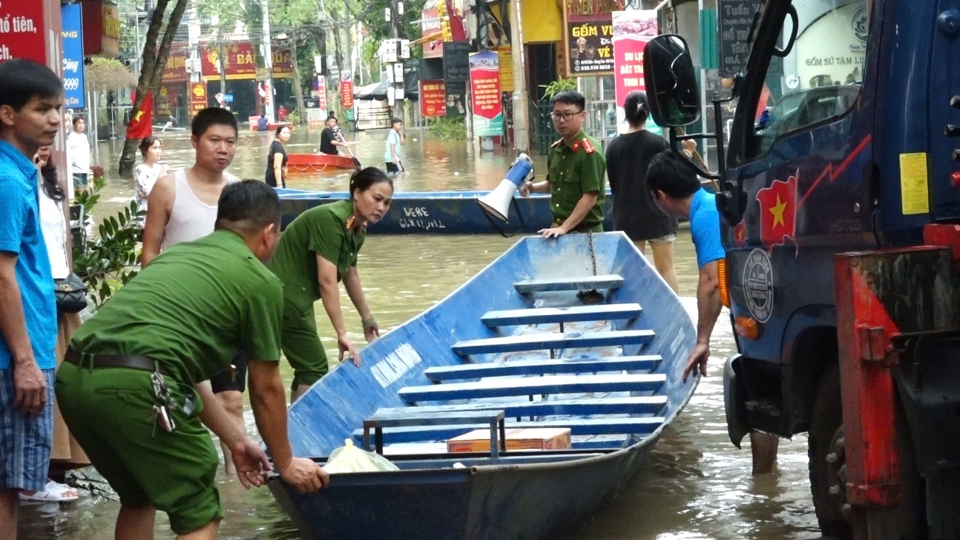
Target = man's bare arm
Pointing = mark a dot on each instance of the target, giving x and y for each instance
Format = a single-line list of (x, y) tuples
[(30, 388), (159, 206)]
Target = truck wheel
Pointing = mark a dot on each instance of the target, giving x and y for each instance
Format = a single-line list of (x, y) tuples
[(828, 470), (827, 461)]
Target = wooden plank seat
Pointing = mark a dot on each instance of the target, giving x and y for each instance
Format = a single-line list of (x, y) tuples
[(578, 426), (533, 342), (572, 407), (528, 386), (419, 419), (582, 283), (599, 312), (542, 367)]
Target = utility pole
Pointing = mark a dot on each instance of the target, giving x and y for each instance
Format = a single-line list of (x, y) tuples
[(397, 51), (268, 63), (521, 117)]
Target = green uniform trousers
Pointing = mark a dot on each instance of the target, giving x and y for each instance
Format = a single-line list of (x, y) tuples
[(108, 411), (300, 342)]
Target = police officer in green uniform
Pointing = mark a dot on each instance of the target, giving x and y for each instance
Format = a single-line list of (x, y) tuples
[(317, 251), (132, 389), (575, 171)]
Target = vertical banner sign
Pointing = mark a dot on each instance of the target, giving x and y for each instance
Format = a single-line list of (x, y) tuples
[(631, 32), (74, 96), (321, 93), (346, 94), (456, 73), (588, 36), (485, 94), (198, 97), (505, 54), (734, 20), (433, 101), (21, 31)]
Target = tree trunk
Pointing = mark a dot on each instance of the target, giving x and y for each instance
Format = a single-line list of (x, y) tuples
[(151, 70), (297, 86)]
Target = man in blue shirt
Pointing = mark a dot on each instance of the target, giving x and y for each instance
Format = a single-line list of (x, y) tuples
[(30, 101), (677, 191)]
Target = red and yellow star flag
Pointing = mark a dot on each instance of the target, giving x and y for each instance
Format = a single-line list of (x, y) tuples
[(778, 212), (141, 124)]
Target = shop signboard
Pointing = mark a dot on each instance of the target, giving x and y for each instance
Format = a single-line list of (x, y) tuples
[(631, 32), (485, 94), (588, 36)]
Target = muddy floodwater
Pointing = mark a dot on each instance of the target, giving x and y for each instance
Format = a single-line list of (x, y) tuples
[(695, 485)]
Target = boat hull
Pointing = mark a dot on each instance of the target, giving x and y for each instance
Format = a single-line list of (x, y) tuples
[(449, 212), (318, 163), (529, 501)]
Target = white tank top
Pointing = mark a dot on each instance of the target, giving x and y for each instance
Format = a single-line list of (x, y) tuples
[(191, 218)]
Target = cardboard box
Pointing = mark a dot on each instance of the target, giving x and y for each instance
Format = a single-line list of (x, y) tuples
[(478, 440)]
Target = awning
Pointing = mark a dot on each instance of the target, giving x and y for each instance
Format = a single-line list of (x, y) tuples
[(378, 91)]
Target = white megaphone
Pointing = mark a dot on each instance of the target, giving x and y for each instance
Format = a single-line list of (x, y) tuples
[(497, 202)]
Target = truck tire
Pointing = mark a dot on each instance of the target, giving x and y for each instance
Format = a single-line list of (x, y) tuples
[(826, 438)]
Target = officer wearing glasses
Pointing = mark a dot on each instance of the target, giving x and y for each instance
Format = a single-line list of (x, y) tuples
[(575, 171)]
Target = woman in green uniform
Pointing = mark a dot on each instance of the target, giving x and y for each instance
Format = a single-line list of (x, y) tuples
[(317, 251)]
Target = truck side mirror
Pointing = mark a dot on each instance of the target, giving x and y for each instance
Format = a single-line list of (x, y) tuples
[(671, 81)]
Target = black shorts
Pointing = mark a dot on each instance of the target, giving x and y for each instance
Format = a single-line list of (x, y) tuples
[(226, 381), (395, 168)]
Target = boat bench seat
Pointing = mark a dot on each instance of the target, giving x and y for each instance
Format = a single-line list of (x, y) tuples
[(533, 342), (573, 407), (584, 283), (542, 367), (385, 418), (600, 312), (528, 386), (578, 426)]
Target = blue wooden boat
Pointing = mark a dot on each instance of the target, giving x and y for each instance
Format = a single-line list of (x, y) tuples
[(440, 212), (516, 346)]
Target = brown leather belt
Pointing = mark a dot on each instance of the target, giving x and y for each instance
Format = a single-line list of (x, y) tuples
[(96, 361)]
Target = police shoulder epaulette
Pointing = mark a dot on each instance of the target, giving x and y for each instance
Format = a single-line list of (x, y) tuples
[(588, 146)]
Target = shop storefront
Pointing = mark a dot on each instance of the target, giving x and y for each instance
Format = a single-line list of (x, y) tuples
[(241, 93)]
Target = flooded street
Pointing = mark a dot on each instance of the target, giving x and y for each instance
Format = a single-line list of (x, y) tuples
[(696, 484)]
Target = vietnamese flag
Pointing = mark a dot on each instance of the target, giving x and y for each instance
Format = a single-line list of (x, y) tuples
[(141, 125), (778, 212)]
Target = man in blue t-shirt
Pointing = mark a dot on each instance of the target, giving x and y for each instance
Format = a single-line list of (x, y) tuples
[(30, 101), (677, 191)]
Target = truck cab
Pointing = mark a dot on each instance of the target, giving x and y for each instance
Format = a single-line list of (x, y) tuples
[(846, 139)]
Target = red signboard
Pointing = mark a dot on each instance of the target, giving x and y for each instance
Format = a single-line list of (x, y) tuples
[(22, 31), (628, 62), (433, 100), (101, 28), (282, 64), (485, 85), (239, 61), (430, 25), (631, 32), (198, 97), (346, 94), (176, 68)]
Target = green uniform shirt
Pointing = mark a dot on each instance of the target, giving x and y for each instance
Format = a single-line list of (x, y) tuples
[(572, 171), (324, 231), (192, 309)]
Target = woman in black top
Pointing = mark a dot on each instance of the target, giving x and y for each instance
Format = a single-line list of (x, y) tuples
[(277, 159), (634, 211)]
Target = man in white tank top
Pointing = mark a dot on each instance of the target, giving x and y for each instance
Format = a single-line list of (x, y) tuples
[(183, 207)]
